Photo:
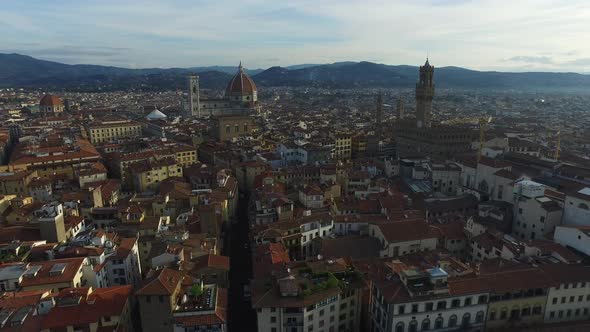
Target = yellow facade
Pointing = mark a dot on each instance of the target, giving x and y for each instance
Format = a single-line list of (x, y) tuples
[(150, 180), (343, 146), (107, 133), (186, 157), (514, 312), (17, 183)]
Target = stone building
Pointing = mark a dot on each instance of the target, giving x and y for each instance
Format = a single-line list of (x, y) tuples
[(241, 96), (51, 104), (419, 136)]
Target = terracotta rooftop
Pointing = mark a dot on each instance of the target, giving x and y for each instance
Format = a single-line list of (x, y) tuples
[(93, 305), (164, 282)]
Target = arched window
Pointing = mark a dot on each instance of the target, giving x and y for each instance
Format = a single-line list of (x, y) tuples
[(479, 317), (399, 327), (438, 323), (466, 319), (583, 206), (426, 324), (453, 321), (413, 326)]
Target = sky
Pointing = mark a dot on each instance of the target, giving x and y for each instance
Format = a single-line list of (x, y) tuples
[(505, 35)]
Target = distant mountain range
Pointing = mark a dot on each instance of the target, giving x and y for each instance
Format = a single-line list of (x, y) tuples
[(24, 71)]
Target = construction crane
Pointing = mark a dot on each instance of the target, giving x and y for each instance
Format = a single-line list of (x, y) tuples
[(482, 122)]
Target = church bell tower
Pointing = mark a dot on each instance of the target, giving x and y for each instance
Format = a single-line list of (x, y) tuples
[(194, 103), (424, 96)]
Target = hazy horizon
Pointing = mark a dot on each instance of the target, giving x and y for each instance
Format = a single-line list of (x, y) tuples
[(500, 35)]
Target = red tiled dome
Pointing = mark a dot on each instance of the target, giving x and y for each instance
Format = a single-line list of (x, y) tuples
[(241, 84), (50, 100)]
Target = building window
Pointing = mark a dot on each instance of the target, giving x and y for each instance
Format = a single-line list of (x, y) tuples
[(479, 317), (413, 326), (414, 308), (493, 315), (466, 319), (441, 305), (401, 309), (438, 323), (453, 321), (426, 324), (399, 327)]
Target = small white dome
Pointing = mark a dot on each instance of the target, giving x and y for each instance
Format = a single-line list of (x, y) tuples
[(156, 115)]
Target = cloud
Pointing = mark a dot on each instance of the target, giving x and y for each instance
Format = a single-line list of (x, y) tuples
[(545, 60), (580, 62), (481, 34)]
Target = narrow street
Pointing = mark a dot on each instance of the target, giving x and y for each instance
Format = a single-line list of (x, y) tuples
[(241, 316)]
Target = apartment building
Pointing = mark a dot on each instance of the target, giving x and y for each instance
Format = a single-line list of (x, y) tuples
[(343, 146), (111, 130), (408, 298), (148, 174), (536, 215), (312, 296), (404, 237)]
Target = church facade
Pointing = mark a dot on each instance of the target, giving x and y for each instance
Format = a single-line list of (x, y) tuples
[(241, 96), (231, 114)]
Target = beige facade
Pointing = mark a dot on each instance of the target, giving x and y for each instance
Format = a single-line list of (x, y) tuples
[(232, 126), (343, 146), (16, 183), (148, 176), (112, 130)]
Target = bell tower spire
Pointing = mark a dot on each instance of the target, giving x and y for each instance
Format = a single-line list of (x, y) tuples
[(424, 95)]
